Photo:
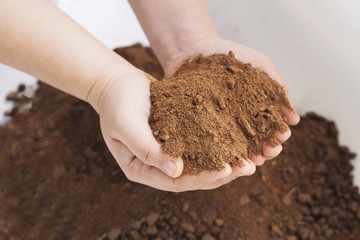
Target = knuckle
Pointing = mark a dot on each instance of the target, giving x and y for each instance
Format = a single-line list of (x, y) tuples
[(146, 155)]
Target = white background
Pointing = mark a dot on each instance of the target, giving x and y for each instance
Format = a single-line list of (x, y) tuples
[(315, 44)]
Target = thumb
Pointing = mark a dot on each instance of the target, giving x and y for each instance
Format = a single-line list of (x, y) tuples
[(137, 136)]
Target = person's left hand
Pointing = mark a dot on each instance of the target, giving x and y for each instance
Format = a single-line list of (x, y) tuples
[(215, 45), (124, 105)]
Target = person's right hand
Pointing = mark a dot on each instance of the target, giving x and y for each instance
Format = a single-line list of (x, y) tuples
[(215, 45), (124, 109)]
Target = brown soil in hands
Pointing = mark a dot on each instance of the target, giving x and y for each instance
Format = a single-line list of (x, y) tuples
[(216, 110), (59, 181)]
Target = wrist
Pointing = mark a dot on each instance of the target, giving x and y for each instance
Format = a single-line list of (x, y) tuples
[(114, 71)]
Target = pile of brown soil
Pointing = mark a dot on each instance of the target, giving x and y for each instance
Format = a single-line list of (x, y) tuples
[(20, 100), (216, 110), (58, 181)]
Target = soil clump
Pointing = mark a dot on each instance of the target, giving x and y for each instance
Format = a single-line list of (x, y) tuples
[(216, 110)]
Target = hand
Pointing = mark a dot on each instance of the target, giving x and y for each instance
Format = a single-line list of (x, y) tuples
[(215, 45), (124, 109)]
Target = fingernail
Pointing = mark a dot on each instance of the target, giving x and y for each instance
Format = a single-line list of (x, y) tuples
[(240, 175), (285, 119), (170, 167)]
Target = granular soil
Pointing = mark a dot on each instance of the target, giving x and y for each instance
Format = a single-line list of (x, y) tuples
[(216, 110), (20, 100), (59, 181)]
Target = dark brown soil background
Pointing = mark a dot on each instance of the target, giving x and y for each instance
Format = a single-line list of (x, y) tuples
[(216, 110), (58, 181)]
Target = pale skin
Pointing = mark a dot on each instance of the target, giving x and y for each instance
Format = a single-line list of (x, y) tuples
[(37, 38)]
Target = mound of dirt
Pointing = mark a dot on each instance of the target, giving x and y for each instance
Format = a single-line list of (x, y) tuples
[(59, 181)]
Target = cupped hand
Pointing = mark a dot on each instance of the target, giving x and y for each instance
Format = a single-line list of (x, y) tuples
[(124, 108), (208, 46)]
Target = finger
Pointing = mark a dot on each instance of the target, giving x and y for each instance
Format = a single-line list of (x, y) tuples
[(283, 136), (271, 151), (144, 146), (258, 159), (144, 174), (248, 169), (135, 170), (122, 155), (203, 180), (290, 116), (134, 131)]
